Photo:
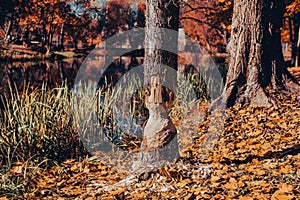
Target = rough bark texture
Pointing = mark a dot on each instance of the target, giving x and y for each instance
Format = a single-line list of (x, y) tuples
[(256, 54), (160, 14), (273, 60), (295, 38), (297, 49), (160, 140)]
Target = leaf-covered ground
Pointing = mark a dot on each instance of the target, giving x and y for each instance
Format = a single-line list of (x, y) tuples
[(256, 157)]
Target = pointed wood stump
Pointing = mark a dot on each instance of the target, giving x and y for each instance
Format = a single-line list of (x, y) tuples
[(160, 141)]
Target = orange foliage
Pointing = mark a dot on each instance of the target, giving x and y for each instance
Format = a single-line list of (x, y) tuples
[(293, 8), (207, 22)]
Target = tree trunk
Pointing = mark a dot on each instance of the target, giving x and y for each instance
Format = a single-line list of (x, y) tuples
[(256, 54), (7, 30), (295, 37), (160, 140), (297, 49), (61, 37)]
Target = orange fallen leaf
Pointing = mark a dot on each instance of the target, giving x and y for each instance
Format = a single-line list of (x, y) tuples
[(77, 191), (17, 170), (116, 192), (286, 169)]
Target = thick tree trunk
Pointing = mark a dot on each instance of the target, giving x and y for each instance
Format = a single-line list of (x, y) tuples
[(273, 61), (281, 79), (245, 48), (160, 140), (256, 54)]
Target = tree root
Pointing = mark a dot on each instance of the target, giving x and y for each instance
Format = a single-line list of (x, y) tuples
[(201, 170), (256, 96), (292, 87), (259, 97)]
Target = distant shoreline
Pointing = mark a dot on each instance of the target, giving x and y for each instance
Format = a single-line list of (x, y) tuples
[(19, 53)]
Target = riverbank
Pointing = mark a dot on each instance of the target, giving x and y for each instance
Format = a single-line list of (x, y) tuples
[(21, 53)]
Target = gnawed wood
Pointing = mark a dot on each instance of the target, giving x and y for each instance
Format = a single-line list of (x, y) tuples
[(158, 145)]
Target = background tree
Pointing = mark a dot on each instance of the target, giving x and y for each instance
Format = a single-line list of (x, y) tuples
[(207, 22), (43, 20), (6, 18), (293, 15), (141, 14), (118, 16), (256, 55), (77, 28)]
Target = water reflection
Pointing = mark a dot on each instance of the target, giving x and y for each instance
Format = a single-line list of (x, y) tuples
[(34, 74), (56, 72)]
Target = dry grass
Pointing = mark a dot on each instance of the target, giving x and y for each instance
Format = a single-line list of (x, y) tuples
[(37, 129)]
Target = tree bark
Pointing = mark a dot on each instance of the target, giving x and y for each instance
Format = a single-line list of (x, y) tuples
[(7, 30), (61, 37), (256, 55), (295, 37), (160, 140), (297, 49)]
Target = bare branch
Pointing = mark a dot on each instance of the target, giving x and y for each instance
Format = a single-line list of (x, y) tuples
[(202, 22)]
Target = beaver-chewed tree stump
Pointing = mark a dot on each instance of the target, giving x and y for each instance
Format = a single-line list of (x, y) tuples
[(160, 143)]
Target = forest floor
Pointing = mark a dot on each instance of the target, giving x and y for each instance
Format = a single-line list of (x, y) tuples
[(256, 157)]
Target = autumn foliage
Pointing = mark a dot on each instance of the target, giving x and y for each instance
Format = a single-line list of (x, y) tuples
[(256, 156)]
